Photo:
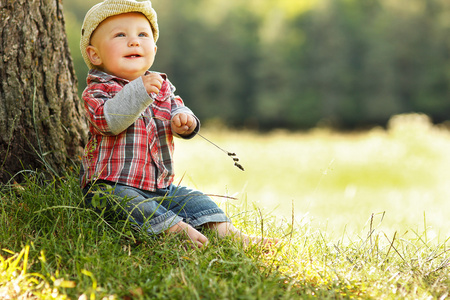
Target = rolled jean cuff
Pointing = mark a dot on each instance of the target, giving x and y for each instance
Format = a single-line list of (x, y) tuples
[(214, 215), (161, 223)]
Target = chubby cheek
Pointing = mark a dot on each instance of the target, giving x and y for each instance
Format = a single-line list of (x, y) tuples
[(114, 51)]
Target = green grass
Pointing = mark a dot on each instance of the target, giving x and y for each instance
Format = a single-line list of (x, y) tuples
[(335, 181), (362, 216)]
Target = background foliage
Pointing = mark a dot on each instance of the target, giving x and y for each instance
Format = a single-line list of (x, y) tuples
[(299, 63)]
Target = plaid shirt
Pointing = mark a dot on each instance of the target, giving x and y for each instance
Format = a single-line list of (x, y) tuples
[(140, 156)]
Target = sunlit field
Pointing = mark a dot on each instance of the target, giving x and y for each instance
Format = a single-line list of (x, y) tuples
[(361, 216), (396, 180)]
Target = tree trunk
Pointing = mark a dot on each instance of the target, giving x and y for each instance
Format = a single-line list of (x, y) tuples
[(41, 118)]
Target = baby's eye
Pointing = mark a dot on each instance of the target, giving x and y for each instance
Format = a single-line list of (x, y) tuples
[(143, 34), (120, 34)]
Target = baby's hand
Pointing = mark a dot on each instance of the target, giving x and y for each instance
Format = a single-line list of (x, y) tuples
[(152, 82), (183, 124)]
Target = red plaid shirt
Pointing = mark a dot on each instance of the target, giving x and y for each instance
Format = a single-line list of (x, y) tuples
[(140, 156)]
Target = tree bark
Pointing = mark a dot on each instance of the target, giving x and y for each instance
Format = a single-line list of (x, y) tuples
[(42, 123)]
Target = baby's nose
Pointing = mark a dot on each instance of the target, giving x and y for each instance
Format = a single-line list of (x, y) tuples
[(133, 42)]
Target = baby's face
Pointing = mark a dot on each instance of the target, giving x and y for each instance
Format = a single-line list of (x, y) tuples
[(123, 46)]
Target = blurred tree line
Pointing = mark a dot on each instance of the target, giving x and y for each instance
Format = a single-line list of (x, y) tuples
[(299, 63)]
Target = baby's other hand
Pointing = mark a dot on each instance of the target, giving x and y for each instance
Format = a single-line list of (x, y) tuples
[(183, 124), (152, 83)]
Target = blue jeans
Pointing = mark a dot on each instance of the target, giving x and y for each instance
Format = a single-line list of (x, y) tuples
[(153, 211)]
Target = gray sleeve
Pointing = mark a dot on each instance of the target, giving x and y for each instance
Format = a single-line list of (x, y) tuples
[(126, 106)]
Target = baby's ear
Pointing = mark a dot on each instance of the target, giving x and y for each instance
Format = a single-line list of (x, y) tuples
[(92, 53)]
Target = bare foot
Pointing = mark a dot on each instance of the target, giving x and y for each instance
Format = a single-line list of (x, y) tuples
[(250, 240), (227, 229), (192, 235)]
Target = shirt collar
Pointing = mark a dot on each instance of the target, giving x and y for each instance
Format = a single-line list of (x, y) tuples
[(102, 77)]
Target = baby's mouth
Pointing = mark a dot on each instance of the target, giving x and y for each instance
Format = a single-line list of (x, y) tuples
[(133, 56)]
